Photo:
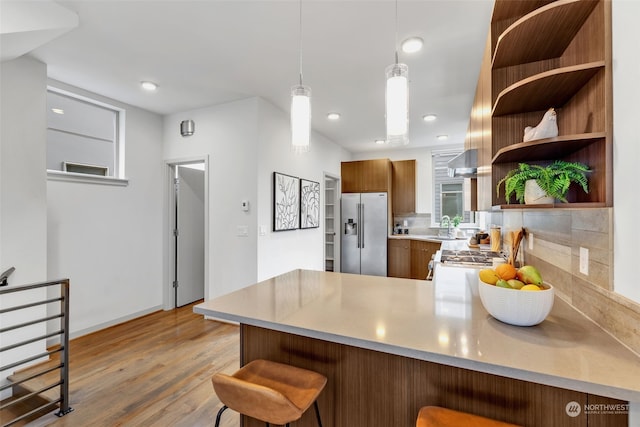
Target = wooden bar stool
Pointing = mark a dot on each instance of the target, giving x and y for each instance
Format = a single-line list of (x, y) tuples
[(435, 416), (268, 391)]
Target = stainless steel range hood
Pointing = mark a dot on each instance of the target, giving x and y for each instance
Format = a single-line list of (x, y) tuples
[(464, 165)]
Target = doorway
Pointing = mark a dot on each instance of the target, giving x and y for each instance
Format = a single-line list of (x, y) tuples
[(188, 236), (331, 216)]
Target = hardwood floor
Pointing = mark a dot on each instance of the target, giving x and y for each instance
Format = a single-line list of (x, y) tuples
[(151, 371)]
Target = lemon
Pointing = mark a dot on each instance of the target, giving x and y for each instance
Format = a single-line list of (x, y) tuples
[(488, 276), (530, 288)]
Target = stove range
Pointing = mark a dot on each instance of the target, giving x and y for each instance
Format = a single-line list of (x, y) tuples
[(468, 258)]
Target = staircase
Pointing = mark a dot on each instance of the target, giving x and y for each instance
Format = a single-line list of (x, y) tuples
[(44, 387), (26, 399)]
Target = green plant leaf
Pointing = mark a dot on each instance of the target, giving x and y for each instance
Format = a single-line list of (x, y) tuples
[(555, 179)]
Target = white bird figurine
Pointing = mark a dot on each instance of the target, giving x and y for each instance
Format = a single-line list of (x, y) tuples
[(547, 128)]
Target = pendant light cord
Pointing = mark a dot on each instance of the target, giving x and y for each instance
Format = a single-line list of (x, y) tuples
[(396, 44), (300, 40)]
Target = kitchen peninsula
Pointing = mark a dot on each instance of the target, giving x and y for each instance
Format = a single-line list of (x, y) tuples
[(389, 346)]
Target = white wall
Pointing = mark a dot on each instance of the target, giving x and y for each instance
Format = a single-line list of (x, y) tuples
[(108, 239), (626, 155), (246, 141), (424, 170), (279, 252), (23, 209), (228, 135), (626, 149)]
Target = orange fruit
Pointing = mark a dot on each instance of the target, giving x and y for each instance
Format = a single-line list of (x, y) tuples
[(506, 271)]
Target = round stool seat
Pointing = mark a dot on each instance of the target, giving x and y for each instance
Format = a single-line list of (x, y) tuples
[(268, 391), (435, 416)]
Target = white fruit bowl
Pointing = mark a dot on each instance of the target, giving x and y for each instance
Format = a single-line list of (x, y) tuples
[(515, 307)]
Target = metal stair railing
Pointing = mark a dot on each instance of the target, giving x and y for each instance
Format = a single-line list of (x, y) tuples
[(63, 349)]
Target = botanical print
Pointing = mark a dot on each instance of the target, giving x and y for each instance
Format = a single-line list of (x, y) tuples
[(286, 202), (309, 204)]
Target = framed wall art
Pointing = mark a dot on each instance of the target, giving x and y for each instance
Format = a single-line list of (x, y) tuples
[(286, 202), (309, 204)]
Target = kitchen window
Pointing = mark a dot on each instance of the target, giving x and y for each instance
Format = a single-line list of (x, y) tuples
[(449, 193), (85, 139), (451, 196)]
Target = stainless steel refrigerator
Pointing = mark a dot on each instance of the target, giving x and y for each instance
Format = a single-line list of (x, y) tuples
[(364, 229)]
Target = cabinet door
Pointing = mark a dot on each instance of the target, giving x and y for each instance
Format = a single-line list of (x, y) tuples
[(375, 175), (350, 174), (421, 253), (403, 178), (366, 176), (399, 258)]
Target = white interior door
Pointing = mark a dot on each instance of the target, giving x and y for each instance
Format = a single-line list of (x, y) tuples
[(190, 235)]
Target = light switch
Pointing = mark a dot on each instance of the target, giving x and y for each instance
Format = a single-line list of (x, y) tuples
[(242, 230), (530, 238), (263, 230)]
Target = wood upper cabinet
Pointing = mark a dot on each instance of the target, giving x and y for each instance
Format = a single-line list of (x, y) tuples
[(403, 178), (479, 136), (366, 176), (399, 262), (350, 177)]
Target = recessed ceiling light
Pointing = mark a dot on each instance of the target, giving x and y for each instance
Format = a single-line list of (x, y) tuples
[(58, 110), (429, 117), (333, 116), (442, 137), (412, 45), (150, 86), (379, 141)]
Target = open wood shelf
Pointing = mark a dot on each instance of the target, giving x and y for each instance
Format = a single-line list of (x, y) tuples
[(549, 89), (547, 148), (543, 54), (544, 33), (578, 205), (506, 9)]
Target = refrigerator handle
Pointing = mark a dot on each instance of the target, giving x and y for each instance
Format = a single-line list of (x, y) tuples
[(359, 225), (362, 226)]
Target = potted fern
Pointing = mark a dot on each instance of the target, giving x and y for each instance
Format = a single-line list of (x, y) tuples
[(552, 182)]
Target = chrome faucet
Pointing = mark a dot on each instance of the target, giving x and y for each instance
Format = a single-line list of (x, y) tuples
[(448, 220)]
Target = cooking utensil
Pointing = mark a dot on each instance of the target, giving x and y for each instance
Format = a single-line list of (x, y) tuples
[(516, 238)]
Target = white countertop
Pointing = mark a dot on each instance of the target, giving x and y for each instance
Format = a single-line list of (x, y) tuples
[(443, 323)]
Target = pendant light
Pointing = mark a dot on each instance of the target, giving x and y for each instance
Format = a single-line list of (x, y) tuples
[(397, 98), (300, 108)]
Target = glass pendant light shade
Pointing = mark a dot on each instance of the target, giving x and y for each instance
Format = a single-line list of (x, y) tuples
[(300, 118), (397, 104)]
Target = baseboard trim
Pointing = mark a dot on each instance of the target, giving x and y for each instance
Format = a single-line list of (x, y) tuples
[(107, 324)]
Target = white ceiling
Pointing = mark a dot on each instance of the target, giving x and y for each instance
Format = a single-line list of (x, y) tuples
[(209, 51)]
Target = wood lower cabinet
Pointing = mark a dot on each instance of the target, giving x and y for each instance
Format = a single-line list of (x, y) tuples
[(399, 263), (409, 258), (366, 176), (369, 388), (421, 253)]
